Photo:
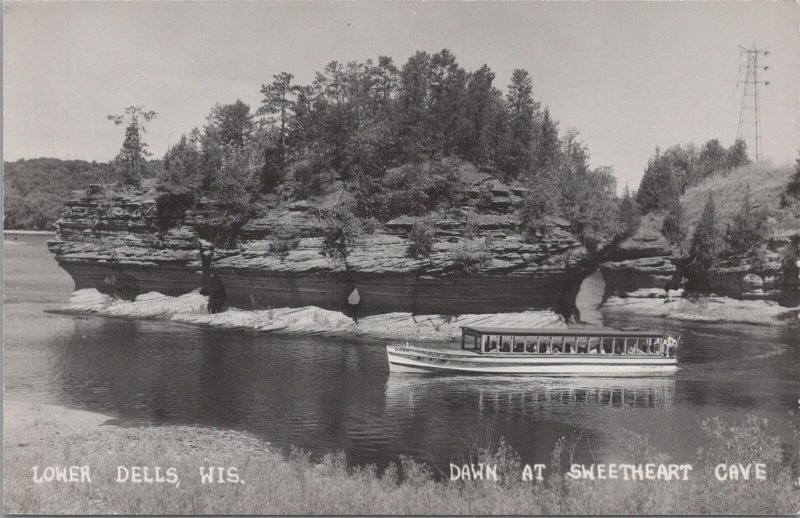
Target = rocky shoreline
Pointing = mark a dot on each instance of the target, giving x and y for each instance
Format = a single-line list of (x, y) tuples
[(654, 303), (127, 245), (310, 320)]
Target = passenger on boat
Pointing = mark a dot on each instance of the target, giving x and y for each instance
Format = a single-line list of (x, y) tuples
[(505, 348), (493, 346), (519, 347)]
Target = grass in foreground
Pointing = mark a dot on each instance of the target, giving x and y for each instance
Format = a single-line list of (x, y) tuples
[(293, 484)]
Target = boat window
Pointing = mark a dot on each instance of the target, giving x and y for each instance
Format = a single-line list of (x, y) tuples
[(568, 344)]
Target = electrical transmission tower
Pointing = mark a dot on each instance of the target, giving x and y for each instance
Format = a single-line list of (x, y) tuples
[(750, 113)]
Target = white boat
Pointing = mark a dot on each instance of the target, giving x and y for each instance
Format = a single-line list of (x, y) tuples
[(548, 352)]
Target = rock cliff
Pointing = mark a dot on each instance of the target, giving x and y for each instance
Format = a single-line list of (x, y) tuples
[(126, 245), (119, 243), (646, 260)]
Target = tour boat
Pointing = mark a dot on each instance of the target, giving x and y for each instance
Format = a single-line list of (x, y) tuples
[(547, 352)]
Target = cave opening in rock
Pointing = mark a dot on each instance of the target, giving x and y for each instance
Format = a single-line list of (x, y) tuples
[(590, 297)]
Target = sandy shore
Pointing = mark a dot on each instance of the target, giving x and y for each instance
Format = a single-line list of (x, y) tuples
[(653, 303), (310, 320), (42, 435), (25, 422)]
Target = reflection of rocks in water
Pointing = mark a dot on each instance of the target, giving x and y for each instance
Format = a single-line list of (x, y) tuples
[(289, 391)]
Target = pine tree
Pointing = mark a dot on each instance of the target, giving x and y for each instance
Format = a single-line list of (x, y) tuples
[(629, 214), (674, 225), (546, 148), (748, 229), (706, 238), (279, 102), (660, 185), (134, 150), (521, 110)]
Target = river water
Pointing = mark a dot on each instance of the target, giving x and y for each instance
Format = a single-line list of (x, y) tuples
[(326, 395)]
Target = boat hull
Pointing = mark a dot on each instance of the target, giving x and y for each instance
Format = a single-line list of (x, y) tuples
[(413, 360)]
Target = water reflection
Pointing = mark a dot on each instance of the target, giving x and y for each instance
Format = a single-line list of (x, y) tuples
[(532, 396)]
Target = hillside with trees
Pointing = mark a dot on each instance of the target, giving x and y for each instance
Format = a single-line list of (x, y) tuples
[(386, 141), (718, 209)]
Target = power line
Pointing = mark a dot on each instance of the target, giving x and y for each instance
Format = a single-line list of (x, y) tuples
[(749, 129)]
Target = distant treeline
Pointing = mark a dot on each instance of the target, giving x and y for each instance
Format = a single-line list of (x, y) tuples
[(35, 189)]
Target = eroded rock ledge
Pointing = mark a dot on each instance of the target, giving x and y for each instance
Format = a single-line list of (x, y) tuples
[(117, 244), (647, 261)]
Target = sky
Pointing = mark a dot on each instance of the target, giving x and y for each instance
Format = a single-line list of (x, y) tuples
[(629, 76)]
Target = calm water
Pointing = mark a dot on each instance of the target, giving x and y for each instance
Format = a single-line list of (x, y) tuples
[(326, 395)]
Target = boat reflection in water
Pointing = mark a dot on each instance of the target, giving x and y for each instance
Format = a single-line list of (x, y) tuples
[(527, 396)]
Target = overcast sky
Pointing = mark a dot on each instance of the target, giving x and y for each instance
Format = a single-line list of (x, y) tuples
[(628, 76)]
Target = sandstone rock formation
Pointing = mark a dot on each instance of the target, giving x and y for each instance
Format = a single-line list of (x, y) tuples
[(122, 244), (646, 260), (117, 244)]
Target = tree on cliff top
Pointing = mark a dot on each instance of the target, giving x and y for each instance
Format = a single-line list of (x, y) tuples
[(279, 103), (660, 186), (522, 115), (181, 173), (234, 123), (629, 214), (134, 150)]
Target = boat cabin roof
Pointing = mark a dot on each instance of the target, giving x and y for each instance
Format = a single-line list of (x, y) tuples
[(543, 331)]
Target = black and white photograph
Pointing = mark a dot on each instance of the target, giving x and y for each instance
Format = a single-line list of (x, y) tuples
[(401, 258)]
